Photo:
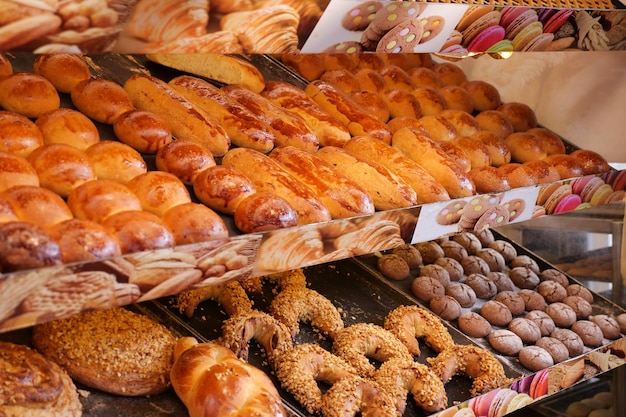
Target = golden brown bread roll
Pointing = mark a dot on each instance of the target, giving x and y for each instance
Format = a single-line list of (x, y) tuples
[(372, 61), (457, 98), (430, 99), (28, 94), (184, 159), (96, 200), (34, 385), (541, 172), (387, 190), (309, 66), (194, 222), (437, 127), (222, 188), (516, 175), (593, 162), (143, 130), (464, 123), (160, 21), (525, 147), (68, 126), (522, 117), (403, 121), (402, 103), (428, 190), (213, 382), (268, 175), (499, 152), (102, 100), (328, 129), (372, 103), (423, 77), (20, 135), (567, 165), (134, 353), (431, 157), (341, 195), (139, 231), (63, 70), (449, 74), (485, 96), (475, 150), (186, 119), (396, 78), (550, 141), (159, 191), (25, 245), (370, 79), (84, 240), (346, 110), (116, 161), (7, 214), (488, 179), (495, 122), (37, 205), (31, 27), (260, 212), (341, 78), (15, 170), (339, 61), (61, 167), (457, 154), (243, 126)]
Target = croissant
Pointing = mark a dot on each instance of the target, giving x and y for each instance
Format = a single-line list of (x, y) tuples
[(268, 30), (222, 42), (212, 382), (168, 20), (308, 10)]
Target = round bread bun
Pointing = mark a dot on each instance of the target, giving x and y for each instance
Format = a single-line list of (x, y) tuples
[(423, 77), (7, 214), (399, 122), (437, 127), (20, 135), (496, 122), (541, 171), (264, 211), (184, 159), (6, 68), (457, 98), (449, 74), (194, 222), (430, 99), (84, 240), (34, 386), (159, 191), (309, 66), (222, 188), (499, 152), (475, 150), (341, 78), (61, 167), (457, 155), (516, 175), (37, 205), (339, 61), (396, 78), (134, 353), (143, 130), (567, 165), (535, 358), (465, 123), (25, 245), (139, 231), (525, 147), (116, 161), (372, 61), (484, 95), (63, 70), (28, 94), (96, 200), (68, 126), (101, 100), (592, 162), (373, 103), (370, 79), (522, 117), (488, 179), (550, 141), (399, 60), (15, 170)]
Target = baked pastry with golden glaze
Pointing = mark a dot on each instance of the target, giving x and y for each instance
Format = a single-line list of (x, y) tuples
[(28, 94), (37, 205), (63, 70), (20, 135), (159, 21)]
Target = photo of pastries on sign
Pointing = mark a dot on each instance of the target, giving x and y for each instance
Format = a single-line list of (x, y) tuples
[(521, 28)]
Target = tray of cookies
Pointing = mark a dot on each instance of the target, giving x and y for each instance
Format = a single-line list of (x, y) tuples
[(503, 296)]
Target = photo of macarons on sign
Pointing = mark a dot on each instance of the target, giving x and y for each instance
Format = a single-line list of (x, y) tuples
[(383, 26)]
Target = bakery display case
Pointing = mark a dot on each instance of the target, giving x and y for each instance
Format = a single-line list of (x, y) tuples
[(339, 253)]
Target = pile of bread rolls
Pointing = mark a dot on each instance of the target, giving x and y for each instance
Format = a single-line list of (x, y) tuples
[(369, 132)]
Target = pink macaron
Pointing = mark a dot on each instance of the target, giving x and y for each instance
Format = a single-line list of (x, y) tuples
[(500, 403), (590, 188), (578, 184), (486, 39), (510, 13), (520, 22), (539, 386), (567, 203), (481, 404), (556, 20), (619, 183)]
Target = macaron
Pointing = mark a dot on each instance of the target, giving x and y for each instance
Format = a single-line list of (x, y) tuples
[(454, 38), (500, 402), (600, 196), (519, 401), (560, 193), (556, 20), (490, 19), (616, 196), (567, 203), (522, 385), (546, 190), (455, 49), (539, 43), (545, 13), (520, 22), (539, 386), (526, 35), (590, 188), (504, 45), (578, 184), (620, 181), (472, 14), (481, 404), (486, 39)]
